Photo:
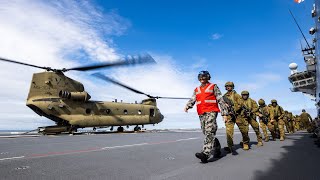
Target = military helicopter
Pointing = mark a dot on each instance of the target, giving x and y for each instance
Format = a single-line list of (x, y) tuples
[(63, 100)]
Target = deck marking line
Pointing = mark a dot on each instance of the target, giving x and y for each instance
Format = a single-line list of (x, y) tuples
[(18, 157)]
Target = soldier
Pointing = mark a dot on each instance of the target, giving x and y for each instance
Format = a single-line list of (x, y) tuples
[(291, 122), (206, 97), (248, 113), (234, 100), (285, 119), (265, 115), (297, 122), (305, 118), (278, 118)]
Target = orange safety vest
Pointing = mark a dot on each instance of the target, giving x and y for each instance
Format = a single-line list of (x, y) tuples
[(206, 101)]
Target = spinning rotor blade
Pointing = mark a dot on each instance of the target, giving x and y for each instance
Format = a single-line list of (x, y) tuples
[(26, 64), (159, 97), (103, 77), (131, 60)]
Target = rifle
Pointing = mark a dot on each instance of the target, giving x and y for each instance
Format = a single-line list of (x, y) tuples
[(264, 117), (231, 110), (247, 112)]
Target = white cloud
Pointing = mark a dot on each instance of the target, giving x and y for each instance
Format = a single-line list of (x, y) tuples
[(200, 63), (52, 34), (47, 34), (216, 36)]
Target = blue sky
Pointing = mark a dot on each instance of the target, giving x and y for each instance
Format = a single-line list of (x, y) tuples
[(249, 42), (234, 40)]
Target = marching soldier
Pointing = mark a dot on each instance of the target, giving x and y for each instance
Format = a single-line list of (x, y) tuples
[(234, 99), (278, 118), (265, 115), (247, 114), (286, 120), (207, 97), (297, 122), (291, 122), (305, 118)]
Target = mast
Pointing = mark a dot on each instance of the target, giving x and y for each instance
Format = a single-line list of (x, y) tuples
[(308, 81), (316, 16)]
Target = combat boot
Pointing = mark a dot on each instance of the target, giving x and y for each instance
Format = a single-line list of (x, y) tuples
[(203, 157), (245, 147), (281, 138), (241, 144), (266, 139), (260, 143)]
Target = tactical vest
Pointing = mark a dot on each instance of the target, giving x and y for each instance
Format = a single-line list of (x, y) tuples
[(277, 111), (206, 101)]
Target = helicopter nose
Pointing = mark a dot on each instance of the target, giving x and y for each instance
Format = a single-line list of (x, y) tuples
[(161, 117)]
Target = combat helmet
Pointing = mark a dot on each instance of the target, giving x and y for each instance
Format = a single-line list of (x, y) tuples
[(274, 101), (261, 102), (245, 93), (229, 83)]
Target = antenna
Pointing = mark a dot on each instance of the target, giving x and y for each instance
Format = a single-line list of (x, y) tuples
[(299, 28)]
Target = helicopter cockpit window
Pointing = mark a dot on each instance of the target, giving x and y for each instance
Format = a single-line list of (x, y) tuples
[(139, 112), (125, 112), (152, 113), (88, 111)]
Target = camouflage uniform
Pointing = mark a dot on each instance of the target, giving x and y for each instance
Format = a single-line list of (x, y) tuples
[(305, 118), (208, 121), (286, 121), (264, 111), (235, 98), (278, 119), (297, 123), (291, 122), (252, 106)]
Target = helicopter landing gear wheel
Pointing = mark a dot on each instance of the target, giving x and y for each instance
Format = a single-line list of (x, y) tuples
[(137, 128), (73, 130), (120, 129)]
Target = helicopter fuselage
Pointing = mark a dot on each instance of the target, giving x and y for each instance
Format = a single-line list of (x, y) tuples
[(64, 100)]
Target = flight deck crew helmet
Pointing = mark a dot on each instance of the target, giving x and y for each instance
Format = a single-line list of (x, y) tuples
[(261, 102), (244, 93), (229, 83), (204, 74)]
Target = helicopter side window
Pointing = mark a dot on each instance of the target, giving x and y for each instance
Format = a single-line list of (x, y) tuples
[(152, 113), (125, 112)]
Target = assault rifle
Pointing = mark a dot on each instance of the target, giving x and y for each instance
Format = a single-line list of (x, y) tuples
[(247, 112), (231, 110), (264, 117)]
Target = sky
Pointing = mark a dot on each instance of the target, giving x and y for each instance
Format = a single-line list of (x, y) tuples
[(248, 42)]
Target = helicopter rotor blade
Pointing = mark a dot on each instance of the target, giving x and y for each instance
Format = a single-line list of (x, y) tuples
[(158, 97), (25, 64), (130, 60), (103, 77)]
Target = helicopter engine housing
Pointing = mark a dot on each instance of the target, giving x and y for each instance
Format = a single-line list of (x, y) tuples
[(75, 96)]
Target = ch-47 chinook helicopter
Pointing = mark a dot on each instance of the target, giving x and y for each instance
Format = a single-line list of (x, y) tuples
[(63, 100)]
